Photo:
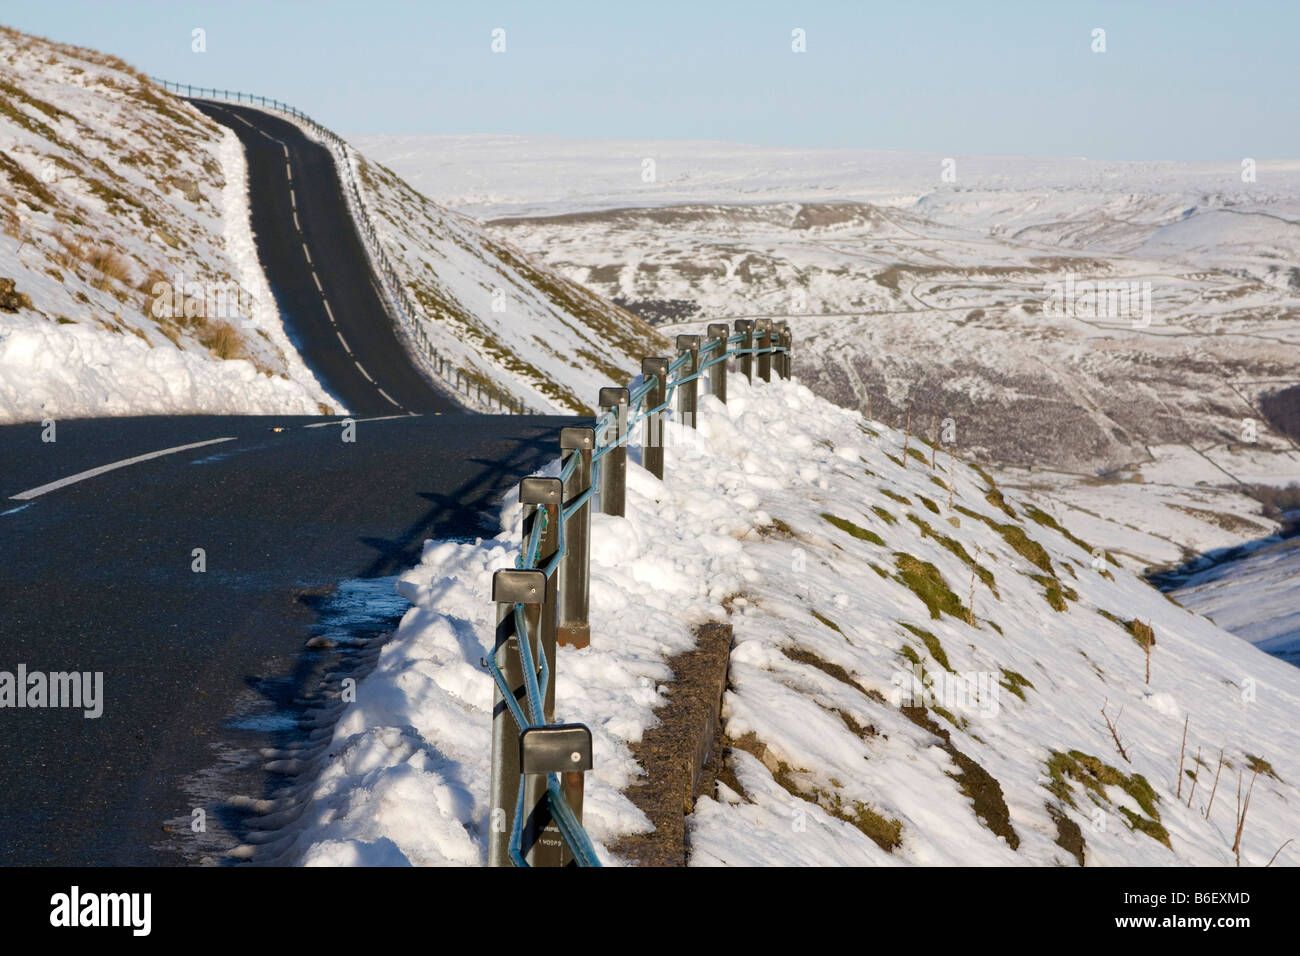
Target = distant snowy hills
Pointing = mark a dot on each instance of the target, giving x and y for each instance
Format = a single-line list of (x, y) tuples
[(906, 289)]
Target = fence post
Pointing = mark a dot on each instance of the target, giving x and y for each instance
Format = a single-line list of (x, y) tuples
[(688, 392), (509, 587), (764, 326), (787, 341), (573, 628), (613, 464), (652, 436), (718, 371), (538, 496), (747, 360)]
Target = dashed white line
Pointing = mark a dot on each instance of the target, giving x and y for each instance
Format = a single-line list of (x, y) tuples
[(316, 279), (328, 310), (390, 398), (345, 343), (296, 222), (93, 472), (307, 252), (362, 370)]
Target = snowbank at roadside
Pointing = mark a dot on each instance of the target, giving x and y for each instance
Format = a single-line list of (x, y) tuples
[(870, 721)]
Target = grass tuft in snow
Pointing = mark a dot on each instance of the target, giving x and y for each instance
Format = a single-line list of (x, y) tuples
[(931, 644), (883, 514), (862, 534), (925, 581), (827, 621), (1260, 765), (1016, 683), (1095, 776)]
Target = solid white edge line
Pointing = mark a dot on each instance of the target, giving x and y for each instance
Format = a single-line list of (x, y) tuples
[(82, 476)]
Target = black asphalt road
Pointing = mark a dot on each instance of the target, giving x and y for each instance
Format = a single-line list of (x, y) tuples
[(318, 269), (97, 576)]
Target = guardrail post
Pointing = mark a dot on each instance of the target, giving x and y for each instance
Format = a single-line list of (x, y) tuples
[(747, 360), (573, 628), (764, 326), (564, 749), (613, 463), (787, 341), (652, 440), (538, 496), (718, 371), (509, 587), (688, 392)]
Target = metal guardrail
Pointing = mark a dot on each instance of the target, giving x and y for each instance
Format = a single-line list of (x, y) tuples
[(539, 765), (392, 289)]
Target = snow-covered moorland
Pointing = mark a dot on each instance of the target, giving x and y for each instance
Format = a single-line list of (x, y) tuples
[(906, 286), (118, 197), (834, 555)]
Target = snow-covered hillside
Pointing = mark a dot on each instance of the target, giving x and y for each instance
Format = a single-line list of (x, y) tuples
[(126, 235), (910, 684), (957, 298), (1254, 596), (494, 311)]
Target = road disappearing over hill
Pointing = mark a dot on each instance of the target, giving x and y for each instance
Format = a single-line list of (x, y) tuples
[(319, 272)]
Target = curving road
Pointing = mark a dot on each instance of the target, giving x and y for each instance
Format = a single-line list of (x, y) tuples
[(318, 269), (205, 665), (97, 574)]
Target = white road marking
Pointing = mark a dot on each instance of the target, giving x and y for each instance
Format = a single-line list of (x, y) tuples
[(316, 279), (362, 370), (93, 472), (345, 343), (285, 147), (381, 418), (390, 398), (293, 200), (296, 222), (307, 252), (328, 310)]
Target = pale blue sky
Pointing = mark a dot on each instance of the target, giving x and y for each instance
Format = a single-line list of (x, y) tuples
[(1187, 81)]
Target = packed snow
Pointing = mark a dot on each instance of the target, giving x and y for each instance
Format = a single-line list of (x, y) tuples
[(813, 533)]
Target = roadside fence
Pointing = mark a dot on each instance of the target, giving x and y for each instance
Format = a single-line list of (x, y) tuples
[(538, 764)]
